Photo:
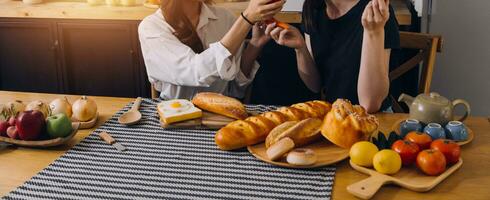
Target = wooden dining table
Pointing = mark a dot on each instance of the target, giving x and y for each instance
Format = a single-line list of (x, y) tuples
[(471, 181)]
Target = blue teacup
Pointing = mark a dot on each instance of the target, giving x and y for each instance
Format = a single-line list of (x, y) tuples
[(457, 131), (435, 131), (410, 125)]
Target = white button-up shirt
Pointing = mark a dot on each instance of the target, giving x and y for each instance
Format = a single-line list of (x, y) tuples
[(178, 72)]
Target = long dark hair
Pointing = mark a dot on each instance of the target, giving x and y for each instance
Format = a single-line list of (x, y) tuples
[(311, 8), (184, 30)]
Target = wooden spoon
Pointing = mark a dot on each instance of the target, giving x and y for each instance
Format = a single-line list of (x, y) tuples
[(133, 116)]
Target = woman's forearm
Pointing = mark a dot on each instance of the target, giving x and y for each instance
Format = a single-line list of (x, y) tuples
[(236, 35), (373, 82), (250, 54), (307, 69)]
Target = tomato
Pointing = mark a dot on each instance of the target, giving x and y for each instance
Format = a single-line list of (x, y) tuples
[(419, 138), (408, 151), (449, 148), (432, 162)]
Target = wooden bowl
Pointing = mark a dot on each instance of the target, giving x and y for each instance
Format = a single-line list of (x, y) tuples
[(88, 124), (327, 153), (471, 135), (43, 143)]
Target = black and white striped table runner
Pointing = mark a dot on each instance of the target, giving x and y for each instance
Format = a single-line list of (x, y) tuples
[(168, 164)]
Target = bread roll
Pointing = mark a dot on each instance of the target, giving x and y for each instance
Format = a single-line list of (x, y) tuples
[(277, 150), (277, 131), (347, 124), (302, 157), (302, 133), (220, 104)]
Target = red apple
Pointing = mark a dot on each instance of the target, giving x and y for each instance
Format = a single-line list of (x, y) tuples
[(3, 128), (30, 125), (12, 132)]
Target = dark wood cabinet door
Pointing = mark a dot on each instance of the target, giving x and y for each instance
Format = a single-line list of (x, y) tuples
[(28, 57), (99, 58)]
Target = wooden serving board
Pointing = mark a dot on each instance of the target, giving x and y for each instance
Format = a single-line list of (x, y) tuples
[(327, 153), (208, 120), (408, 177), (471, 135), (43, 143)]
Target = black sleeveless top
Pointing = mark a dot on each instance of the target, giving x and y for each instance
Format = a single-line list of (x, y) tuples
[(337, 46)]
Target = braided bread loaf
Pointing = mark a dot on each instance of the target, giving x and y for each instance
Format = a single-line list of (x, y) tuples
[(253, 130), (347, 124)]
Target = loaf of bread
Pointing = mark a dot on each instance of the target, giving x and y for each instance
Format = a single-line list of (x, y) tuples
[(302, 133), (220, 104), (255, 129), (347, 124)]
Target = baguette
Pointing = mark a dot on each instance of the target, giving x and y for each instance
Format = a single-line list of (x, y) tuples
[(276, 117), (238, 134), (256, 129), (220, 104), (293, 114)]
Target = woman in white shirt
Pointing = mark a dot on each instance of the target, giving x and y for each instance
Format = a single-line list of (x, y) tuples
[(190, 46)]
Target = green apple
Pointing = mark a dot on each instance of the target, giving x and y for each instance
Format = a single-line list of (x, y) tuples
[(58, 126)]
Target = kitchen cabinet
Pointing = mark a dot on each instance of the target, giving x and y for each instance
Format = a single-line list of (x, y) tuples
[(99, 58), (28, 58), (83, 57)]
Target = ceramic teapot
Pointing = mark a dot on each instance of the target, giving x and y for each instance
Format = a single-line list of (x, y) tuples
[(433, 108)]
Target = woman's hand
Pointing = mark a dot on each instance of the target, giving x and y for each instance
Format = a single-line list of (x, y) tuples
[(375, 16), (259, 10), (259, 38), (290, 37)]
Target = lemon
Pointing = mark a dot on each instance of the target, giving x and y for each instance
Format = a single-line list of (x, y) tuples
[(387, 162), (362, 153)]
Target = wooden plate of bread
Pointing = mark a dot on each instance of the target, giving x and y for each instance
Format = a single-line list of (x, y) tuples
[(299, 144), (326, 152)]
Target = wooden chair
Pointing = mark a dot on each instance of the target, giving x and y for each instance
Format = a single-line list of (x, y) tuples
[(428, 46), (154, 92)]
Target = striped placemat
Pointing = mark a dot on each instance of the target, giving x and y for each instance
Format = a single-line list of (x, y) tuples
[(168, 164)]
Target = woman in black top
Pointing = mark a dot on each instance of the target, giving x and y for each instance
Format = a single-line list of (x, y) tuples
[(346, 49)]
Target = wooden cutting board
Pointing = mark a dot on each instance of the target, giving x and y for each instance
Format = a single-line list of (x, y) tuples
[(208, 120), (408, 177)]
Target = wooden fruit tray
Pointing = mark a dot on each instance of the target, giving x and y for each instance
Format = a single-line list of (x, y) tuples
[(43, 143), (408, 177)]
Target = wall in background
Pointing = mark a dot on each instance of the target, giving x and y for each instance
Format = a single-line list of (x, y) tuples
[(463, 68)]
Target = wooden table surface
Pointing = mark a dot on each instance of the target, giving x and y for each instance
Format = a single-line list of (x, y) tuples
[(472, 181), (79, 9)]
